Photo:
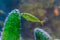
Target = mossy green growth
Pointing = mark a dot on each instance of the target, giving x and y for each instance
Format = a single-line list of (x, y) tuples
[(12, 27), (41, 35)]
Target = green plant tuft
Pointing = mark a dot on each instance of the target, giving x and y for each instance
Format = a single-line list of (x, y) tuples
[(12, 26), (40, 34)]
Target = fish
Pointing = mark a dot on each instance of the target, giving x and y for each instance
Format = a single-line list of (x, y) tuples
[(56, 11)]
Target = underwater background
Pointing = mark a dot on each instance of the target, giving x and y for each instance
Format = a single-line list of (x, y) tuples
[(43, 9)]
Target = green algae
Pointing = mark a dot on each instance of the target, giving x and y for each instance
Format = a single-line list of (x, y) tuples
[(39, 34), (12, 27)]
